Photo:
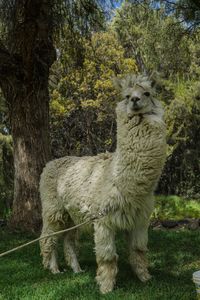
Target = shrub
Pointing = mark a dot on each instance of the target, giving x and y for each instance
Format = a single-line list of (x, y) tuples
[(175, 208)]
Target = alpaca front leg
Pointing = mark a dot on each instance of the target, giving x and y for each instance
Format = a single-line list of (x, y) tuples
[(106, 258), (138, 239)]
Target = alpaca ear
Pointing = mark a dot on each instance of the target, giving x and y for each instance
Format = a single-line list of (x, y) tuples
[(118, 83), (154, 78)]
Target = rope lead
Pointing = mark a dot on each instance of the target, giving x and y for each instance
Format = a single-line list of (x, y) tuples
[(100, 215)]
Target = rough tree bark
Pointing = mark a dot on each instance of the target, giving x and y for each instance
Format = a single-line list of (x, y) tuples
[(24, 72), (29, 123)]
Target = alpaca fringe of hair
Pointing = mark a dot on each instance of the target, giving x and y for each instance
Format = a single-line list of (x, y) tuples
[(94, 218)]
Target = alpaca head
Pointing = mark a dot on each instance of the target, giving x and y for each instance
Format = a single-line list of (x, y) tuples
[(137, 93)]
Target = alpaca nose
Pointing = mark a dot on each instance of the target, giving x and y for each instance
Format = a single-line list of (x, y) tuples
[(135, 100)]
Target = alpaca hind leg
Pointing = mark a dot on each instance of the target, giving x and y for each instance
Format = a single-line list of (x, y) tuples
[(70, 251), (138, 239), (106, 258)]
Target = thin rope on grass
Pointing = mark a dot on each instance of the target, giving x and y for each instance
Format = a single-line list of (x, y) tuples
[(49, 235)]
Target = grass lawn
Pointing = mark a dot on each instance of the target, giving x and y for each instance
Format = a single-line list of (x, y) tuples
[(173, 256)]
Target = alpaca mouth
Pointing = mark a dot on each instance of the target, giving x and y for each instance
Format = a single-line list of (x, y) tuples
[(134, 112), (137, 108), (140, 114)]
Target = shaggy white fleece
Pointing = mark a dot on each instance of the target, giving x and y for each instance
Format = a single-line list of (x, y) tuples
[(121, 183)]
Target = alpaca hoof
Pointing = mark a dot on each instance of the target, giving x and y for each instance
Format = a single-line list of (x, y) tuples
[(106, 289), (144, 277), (77, 271), (105, 286), (55, 271)]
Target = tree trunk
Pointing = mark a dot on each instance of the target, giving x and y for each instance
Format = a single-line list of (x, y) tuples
[(30, 131), (24, 72)]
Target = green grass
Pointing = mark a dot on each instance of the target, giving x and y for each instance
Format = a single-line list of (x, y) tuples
[(174, 256)]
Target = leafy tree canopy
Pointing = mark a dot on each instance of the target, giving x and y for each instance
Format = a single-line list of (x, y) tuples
[(156, 39), (84, 97)]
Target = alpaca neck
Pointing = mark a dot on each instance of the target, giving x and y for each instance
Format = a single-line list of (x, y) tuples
[(140, 153), (132, 134)]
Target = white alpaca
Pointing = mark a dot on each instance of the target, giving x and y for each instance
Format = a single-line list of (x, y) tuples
[(121, 183)]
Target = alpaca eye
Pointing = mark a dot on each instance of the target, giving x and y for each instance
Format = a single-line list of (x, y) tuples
[(127, 96), (147, 94)]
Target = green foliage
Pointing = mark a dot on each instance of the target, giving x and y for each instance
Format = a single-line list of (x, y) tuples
[(4, 119), (83, 101), (173, 258), (182, 114), (6, 175), (194, 48), (175, 208), (154, 37), (181, 173)]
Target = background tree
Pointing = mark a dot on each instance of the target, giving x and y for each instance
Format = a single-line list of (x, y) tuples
[(155, 38), (25, 59), (186, 11), (26, 55), (83, 99), (181, 173)]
